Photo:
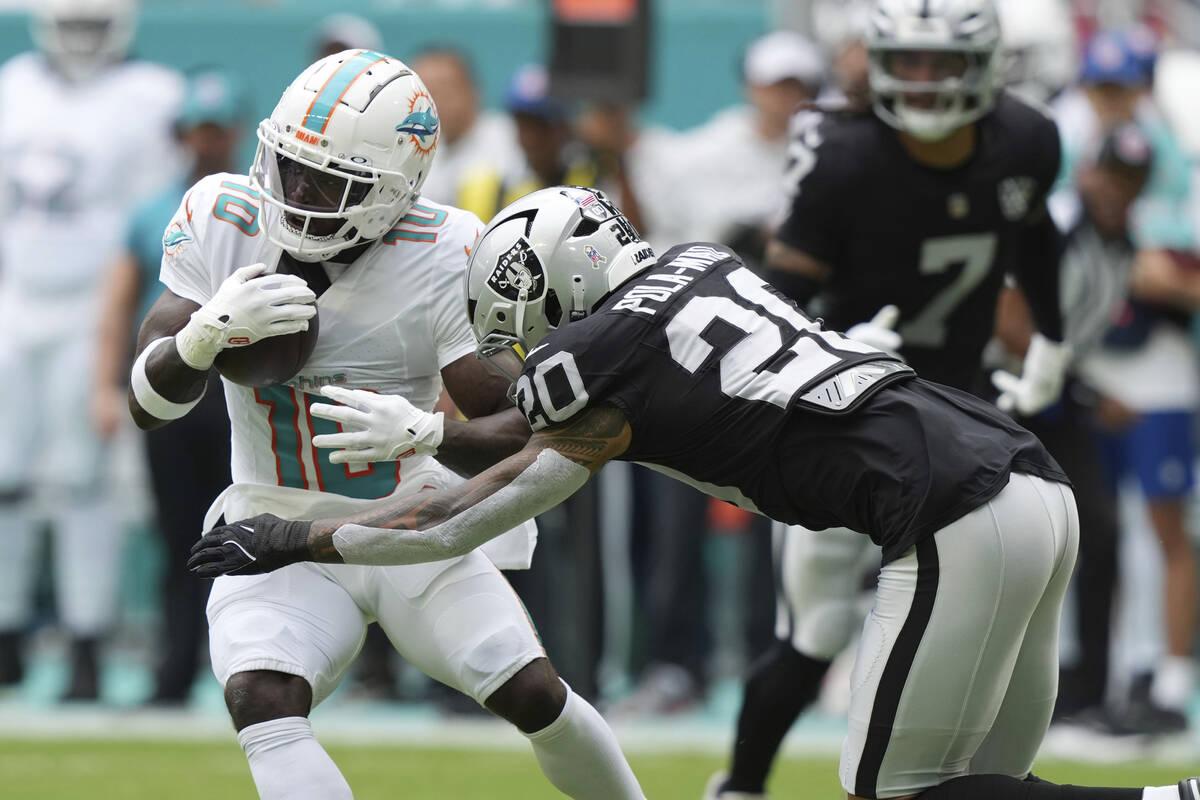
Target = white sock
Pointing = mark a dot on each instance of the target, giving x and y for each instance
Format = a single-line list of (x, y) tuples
[(287, 763), (579, 754), (1174, 680)]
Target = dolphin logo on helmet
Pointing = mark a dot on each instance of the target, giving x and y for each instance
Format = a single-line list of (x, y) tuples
[(420, 124)]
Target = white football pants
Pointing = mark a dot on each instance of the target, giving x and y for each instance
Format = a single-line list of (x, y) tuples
[(52, 467)]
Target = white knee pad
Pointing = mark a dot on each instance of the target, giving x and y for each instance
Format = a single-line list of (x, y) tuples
[(462, 624), (293, 620), (489, 658)]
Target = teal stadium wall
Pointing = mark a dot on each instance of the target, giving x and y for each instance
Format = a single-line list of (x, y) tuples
[(696, 43)]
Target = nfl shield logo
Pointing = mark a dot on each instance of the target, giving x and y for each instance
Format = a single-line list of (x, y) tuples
[(958, 205)]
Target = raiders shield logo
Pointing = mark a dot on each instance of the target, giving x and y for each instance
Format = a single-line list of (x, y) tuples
[(1016, 195), (518, 272)]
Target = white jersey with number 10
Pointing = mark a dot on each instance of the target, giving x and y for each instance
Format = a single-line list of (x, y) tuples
[(388, 323)]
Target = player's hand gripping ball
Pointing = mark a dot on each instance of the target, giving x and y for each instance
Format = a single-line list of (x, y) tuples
[(269, 361), (273, 359)]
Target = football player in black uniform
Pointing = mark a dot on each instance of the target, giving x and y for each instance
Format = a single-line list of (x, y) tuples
[(919, 206), (927, 200), (693, 365)]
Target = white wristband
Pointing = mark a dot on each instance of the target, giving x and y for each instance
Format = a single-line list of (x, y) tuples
[(150, 400), (199, 341)]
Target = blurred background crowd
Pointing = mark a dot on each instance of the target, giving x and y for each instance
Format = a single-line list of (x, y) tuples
[(94, 603)]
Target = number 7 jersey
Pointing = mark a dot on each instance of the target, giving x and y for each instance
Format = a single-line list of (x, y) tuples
[(936, 243), (729, 387)]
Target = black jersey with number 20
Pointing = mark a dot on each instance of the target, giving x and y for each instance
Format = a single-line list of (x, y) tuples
[(728, 386)]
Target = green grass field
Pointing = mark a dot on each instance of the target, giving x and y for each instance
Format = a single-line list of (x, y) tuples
[(124, 770)]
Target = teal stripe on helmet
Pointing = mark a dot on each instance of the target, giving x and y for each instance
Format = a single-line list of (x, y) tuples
[(322, 106)]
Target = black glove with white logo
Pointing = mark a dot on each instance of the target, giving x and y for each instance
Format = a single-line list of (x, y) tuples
[(250, 547)]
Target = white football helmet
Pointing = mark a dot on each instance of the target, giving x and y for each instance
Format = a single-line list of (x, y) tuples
[(966, 33), (546, 260), (342, 157), (80, 37)]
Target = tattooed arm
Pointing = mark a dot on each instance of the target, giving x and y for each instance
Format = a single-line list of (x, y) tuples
[(429, 526)]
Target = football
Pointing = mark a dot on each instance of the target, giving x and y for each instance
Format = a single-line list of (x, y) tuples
[(269, 361), (276, 359)]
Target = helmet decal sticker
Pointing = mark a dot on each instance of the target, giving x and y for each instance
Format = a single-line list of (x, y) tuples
[(518, 272), (421, 124)]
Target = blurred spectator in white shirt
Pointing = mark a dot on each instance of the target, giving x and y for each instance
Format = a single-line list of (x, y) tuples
[(471, 139), (736, 160)]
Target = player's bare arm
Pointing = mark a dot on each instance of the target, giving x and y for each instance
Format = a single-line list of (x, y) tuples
[(786, 258), (431, 526), (1160, 278), (165, 371), (383, 427), (495, 428)]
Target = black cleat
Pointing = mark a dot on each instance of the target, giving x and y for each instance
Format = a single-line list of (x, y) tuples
[(1189, 789), (1150, 718), (12, 670), (85, 672)]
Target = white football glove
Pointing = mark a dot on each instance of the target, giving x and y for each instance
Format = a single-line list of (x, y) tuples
[(249, 305), (385, 427), (1041, 378), (878, 332)]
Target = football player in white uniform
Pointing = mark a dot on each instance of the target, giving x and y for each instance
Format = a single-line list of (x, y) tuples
[(334, 193), (85, 138)]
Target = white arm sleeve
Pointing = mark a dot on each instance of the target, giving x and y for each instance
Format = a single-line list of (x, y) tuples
[(545, 483)]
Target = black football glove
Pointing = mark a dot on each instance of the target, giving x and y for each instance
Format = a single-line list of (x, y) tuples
[(250, 547)]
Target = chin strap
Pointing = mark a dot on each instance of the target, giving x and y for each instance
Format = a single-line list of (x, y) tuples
[(579, 308), (519, 313)]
